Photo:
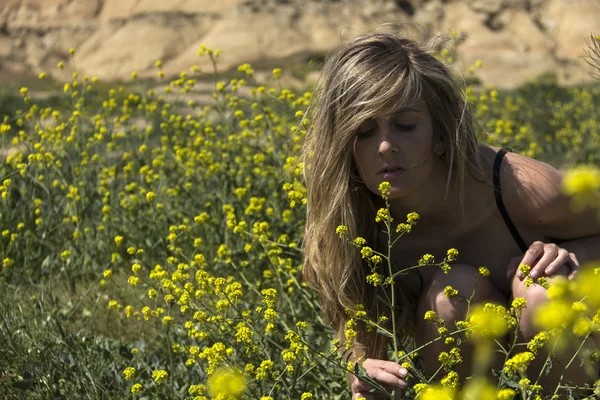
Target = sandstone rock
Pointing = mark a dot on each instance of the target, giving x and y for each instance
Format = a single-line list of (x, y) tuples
[(118, 48), (569, 22), (516, 40)]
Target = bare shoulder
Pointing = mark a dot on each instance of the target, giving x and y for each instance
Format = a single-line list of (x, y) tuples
[(531, 191), (530, 184)]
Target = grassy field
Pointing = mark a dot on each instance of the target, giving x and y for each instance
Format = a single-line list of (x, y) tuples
[(151, 234)]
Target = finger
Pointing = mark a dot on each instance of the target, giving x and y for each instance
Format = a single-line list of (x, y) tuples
[(533, 252), (388, 366), (549, 254), (561, 259), (384, 377), (573, 263)]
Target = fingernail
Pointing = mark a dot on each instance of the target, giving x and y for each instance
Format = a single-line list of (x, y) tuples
[(533, 275), (520, 274), (402, 384), (403, 372)]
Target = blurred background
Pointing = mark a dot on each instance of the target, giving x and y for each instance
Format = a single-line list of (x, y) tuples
[(516, 40)]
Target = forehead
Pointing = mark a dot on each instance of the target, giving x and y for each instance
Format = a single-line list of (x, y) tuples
[(419, 106)]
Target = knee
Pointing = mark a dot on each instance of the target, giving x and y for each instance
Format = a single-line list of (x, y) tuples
[(534, 295), (451, 307)]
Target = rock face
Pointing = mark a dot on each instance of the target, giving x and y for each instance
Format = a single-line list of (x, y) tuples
[(515, 39)]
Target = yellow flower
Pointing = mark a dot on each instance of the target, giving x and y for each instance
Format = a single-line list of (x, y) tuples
[(538, 342), (488, 322), (553, 314), (483, 271), (427, 259), (226, 383), (519, 362), (452, 254), (430, 316), (160, 376), (129, 373), (137, 388), (479, 389), (582, 326), (375, 279), (559, 288), (519, 303), (449, 291), (587, 282), (341, 231), (505, 394), (450, 381), (582, 180), (384, 189), (436, 393), (366, 252), (383, 214), (359, 241)]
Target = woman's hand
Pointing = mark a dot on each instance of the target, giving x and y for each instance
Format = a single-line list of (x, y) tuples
[(544, 259), (388, 373)]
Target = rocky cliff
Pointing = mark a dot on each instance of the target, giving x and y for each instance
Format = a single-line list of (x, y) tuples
[(515, 39)]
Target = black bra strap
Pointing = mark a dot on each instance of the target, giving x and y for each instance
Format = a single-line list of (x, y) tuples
[(500, 203)]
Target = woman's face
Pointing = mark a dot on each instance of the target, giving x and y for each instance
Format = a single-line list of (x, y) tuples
[(398, 150)]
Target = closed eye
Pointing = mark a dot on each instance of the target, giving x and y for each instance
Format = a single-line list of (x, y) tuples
[(365, 134), (406, 128)]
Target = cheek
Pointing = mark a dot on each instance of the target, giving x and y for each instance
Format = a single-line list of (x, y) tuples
[(357, 155)]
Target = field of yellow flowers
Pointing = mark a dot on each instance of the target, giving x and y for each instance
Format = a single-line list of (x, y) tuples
[(150, 243)]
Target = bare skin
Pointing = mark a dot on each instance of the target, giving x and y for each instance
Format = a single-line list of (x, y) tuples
[(529, 191)]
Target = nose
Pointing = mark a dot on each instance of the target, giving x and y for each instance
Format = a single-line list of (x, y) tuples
[(386, 143)]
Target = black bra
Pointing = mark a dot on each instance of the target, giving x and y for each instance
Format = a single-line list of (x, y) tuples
[(496, 180)]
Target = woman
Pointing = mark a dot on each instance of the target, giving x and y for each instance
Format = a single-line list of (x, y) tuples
[(385, 109)]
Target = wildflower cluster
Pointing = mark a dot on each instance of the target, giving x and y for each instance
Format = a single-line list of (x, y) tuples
[(156, 218)]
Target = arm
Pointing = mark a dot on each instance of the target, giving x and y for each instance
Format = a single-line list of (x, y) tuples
[(586, 248), (534, 193)]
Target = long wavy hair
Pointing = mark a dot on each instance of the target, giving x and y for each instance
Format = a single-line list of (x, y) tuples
[(371, 75)]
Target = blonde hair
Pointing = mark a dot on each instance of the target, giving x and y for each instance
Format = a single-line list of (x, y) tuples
[(372, 75)]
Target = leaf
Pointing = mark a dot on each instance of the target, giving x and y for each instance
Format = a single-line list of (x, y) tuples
[(347, 356), (512, 384)]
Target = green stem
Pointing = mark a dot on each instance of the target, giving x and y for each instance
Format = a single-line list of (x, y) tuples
[(393, 301), (570, 361)]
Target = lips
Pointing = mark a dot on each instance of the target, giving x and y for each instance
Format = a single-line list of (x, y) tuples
[(391, 172), (388, 168)]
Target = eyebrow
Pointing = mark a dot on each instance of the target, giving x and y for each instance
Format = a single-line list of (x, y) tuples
[(403, 110)]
